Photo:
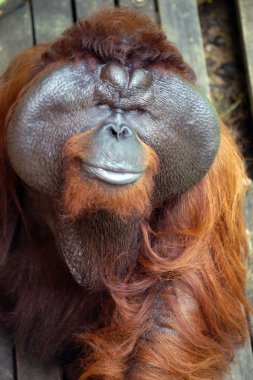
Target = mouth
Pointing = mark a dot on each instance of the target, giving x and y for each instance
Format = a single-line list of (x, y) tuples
[(112, 176)]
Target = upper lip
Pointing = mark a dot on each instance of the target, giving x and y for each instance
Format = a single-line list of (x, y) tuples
[(115, 169)]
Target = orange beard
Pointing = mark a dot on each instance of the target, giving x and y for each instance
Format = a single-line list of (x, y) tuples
[(81, 193)]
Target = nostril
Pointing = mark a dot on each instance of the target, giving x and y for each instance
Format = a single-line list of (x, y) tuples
[(118, 132), (125, 132), (112, 130)]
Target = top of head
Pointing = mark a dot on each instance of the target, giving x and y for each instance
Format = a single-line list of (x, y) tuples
[(119, 35), (114, 72)]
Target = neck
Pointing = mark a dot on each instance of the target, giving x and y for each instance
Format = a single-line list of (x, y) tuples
[(98, 245)]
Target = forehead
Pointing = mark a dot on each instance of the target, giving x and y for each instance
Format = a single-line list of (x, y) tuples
[(115, 85)]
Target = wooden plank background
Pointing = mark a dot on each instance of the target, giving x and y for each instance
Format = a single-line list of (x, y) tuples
[(147, 7), (51, 18), (15, 39), (85, 8), (28, 369), (7, 360), (180, 21)]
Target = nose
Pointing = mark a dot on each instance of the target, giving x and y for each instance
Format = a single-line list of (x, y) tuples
[(117, 131)]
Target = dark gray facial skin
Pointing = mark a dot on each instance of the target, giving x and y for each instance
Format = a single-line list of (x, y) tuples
[(169, 114), (121, 107), (117, 155)]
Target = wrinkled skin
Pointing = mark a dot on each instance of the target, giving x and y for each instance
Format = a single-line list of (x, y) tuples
[(162, 110)]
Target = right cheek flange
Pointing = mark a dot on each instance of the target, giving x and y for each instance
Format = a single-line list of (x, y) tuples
[(34, 159)]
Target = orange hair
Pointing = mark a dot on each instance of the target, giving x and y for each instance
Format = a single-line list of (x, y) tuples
[(179, 314), (191, 268)]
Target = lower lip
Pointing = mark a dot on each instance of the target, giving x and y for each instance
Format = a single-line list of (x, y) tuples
[(114, 178)]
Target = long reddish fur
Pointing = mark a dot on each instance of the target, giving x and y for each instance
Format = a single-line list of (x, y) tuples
[(79, 196), (191, 265)]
